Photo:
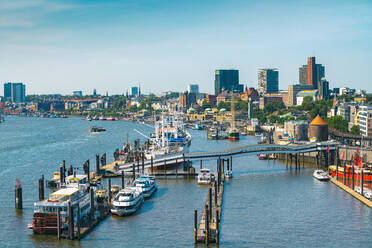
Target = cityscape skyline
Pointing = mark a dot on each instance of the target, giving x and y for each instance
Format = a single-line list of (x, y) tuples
[(78, 46)]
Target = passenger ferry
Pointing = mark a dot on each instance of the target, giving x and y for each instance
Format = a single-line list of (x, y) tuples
[(147, 185), (45, 212), (127, 201)]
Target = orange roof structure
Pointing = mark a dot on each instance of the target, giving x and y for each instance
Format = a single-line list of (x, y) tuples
[(318, 121)]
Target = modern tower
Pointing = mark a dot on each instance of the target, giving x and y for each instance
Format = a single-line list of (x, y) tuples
[(268, 81), (227, 80), (311, 74), (15, 92)]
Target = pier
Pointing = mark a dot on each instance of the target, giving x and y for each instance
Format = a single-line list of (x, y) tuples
[(208, 230)]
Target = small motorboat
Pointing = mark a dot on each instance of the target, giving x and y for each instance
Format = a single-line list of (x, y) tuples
[(96, 129), (127, 201), (320, 175), (205, 176), (262, 156), (147, 185), (228, 174)]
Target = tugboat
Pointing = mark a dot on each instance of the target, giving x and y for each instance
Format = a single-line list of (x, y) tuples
[(127, 201)]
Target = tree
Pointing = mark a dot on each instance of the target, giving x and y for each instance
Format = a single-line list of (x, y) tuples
[(338, 123), (355, 130), (271, 107), (307, 103)]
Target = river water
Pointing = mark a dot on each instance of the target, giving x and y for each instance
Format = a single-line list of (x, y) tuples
[(265, 205)]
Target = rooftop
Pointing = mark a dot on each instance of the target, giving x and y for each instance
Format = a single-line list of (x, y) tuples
[(318, 121)]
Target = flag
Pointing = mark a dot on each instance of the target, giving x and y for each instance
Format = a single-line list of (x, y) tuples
[(343, 155), (328, 149)]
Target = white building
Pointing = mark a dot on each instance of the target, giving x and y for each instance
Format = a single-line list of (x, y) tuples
[(365, 120)]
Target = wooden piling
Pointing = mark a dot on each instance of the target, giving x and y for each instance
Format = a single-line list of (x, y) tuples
[(361, 182), (217, 227), (109, 191), (78, 222), (201, 164), (88, 170), (18, 195), (336, 171), (70, 221), (165, 168), (195, 226), (134, 171), (352, 178), (215, 193), (61, 176), (230, 162), (59, 223), (176, 168), (138, 166), (143, 162), (206, 224), (97, 164), (122, 180), (41, 188), (92, 207), (210, 203), (152, 165)]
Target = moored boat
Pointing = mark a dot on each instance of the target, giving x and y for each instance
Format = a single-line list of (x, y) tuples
[(320, 175), (262, 156), (205, 176), (94, 129), (127, 201), (45, 212), (228, 174), (147, 185)]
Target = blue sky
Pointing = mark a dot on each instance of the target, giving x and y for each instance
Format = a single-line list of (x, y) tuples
[(61, 46)]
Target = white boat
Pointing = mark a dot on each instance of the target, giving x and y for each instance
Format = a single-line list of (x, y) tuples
[(367, 193), (45, 212), (320, 175), (228, 174), (205, 176), (127, 201), (147, 185)]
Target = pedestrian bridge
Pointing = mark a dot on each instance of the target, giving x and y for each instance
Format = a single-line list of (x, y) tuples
[(179, 159)]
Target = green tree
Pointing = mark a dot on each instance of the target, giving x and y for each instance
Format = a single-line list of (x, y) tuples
[(271, 107), (338, 123), (355, 130)]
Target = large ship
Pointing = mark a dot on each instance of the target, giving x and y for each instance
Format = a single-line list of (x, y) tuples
[(45, 212), (170, 137), (358, 165)]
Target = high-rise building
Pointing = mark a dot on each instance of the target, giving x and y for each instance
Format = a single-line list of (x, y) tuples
[(323, 87), (193, 88), (311, 74), (135, 91), (15, 92), (268, 81), (302, 73), (227, 80)]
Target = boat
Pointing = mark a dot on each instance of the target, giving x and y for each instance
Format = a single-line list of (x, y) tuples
[(102, 118), (205, 176), (55, 181), (127, 201), (228, 174), (45, 212), (357, 165), (94, 129), (197, 127), (115, 190), (110, 119), (147, 185), (88, 118), (320, 175), (262, 156)]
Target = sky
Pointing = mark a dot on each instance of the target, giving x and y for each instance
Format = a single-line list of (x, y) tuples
[(61, 46)]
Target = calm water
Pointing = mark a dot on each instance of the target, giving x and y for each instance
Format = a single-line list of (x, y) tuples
[(265, 205)]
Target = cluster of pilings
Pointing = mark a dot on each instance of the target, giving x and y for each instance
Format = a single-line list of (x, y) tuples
[(208, 230)]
